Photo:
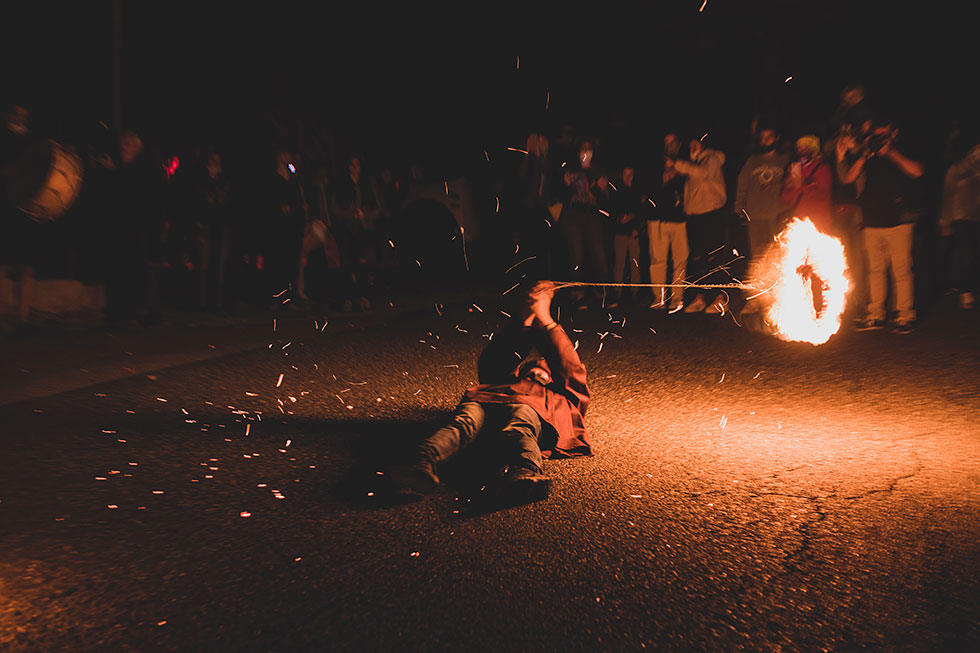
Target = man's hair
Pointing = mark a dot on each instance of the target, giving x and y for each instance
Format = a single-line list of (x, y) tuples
[(768, 124), (884, 120), (853, 86)]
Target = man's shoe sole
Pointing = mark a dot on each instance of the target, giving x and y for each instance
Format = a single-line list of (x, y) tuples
[(524, 490), (870, 327), (411, 478)]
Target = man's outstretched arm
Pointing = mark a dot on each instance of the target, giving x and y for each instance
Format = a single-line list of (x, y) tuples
[(567, 369)]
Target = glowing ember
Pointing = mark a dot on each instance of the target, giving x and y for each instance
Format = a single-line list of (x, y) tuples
[(807, 260)]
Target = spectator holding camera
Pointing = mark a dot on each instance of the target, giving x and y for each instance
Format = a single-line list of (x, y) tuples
[(887, 239)]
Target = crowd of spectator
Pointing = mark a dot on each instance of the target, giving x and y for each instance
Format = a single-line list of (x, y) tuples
[(187, 231), (854, 179)]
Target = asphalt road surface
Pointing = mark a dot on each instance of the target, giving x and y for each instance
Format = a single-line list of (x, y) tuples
[(745, 493)]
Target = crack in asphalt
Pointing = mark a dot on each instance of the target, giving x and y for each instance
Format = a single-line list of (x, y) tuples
[(891, 485), (795, 559)]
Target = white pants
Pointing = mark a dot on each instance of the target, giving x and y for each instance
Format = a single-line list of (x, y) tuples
[(664, 237), (890, 247)]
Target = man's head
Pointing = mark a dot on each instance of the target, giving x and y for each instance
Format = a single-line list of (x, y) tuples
[(214, 165), (672, 145), (585, 154), (536, 370), (16, 119), (532, 143), (768, 138), (283, 160), (628, 174), (807, 147), (543, 145), (130, 146), (354, 168), (851, 95), (695, 147)]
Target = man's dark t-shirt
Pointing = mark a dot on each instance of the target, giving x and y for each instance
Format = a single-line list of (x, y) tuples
[(884, 193)]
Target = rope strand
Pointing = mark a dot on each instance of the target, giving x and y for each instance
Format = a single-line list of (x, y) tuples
[(741, 286)]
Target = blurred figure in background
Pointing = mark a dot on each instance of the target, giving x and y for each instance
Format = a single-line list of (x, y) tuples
[(581, 223), (356, 205), (704, 203), (960, 220), (626, 205), (758, 200), (667, 229), (807, 185), (758, 197), (318, 233), (284, 231), (213, 234), (136, 232), (20, 236), (534, 224)]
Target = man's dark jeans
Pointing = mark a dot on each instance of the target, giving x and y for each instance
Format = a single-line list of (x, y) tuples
[(518, 425)]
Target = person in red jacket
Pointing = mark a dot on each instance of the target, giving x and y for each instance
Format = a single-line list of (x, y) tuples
[(536, 403), (807, 185)]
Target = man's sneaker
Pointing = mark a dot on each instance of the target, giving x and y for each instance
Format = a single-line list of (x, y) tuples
[(717, 307), (523, 485), (904, 328), (869, 324), (420, 477), (696, 306), (659, 305)]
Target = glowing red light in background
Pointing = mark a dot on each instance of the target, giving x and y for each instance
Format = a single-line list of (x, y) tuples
[(171, 166)]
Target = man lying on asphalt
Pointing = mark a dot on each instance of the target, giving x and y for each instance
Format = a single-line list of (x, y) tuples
[(534, 406)]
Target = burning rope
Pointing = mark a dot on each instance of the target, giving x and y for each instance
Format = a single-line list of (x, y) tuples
[(802, 281)]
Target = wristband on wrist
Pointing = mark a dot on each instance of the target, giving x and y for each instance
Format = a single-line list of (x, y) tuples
[(549, 327)]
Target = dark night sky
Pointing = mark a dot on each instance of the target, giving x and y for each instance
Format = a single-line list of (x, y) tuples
[(449, 79)]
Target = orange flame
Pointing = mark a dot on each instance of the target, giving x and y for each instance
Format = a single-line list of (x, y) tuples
[(804, 253)]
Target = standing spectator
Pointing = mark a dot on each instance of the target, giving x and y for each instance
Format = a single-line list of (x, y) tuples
[(757, 196), (807, 186), (887, 240), (960, 219), (849, 222), (534, 226), (284, 238), (581, 222), (356, 205), (758, 200), (135, 234), (319, 230), (852, 116), (21, 175), (667, 229), (626, 203), (704, 202), (213, 227)]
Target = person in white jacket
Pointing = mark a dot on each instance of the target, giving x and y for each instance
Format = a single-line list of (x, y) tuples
[(704, 202)]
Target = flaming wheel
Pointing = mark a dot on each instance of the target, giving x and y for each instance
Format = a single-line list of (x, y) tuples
[(811, 284)]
